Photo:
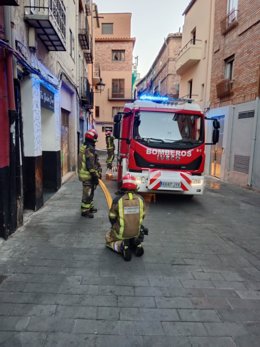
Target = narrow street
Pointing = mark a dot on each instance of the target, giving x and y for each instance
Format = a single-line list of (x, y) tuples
[(198, 283)]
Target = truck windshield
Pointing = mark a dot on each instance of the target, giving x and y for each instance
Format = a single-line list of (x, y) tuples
[(164, 127)]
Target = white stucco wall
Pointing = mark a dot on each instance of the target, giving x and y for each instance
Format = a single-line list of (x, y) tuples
[(31, 110)]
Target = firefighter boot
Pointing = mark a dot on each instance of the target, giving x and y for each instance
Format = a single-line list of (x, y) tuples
[(87, 214), (125, 249), (93, 210), (139, 251)]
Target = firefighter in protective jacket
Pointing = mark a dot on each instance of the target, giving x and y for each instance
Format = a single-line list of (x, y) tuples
[(110, 149), (126, 216), (89, 172)]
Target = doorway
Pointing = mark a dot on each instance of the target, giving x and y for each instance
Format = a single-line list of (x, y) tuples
[(65, 152), (217, 151)]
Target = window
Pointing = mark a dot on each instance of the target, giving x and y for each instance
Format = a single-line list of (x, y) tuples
[(232, 7), (107, 128), (97, 111), (193, 36), (118, 88), (190, 89), (116, 109), (107, 28), (72, 45), (229, 67), (202, 91), (118, 55)]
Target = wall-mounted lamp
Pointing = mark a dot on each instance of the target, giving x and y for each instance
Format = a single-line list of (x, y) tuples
[(100, 86)]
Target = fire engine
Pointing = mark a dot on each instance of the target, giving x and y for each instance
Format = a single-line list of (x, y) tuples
[(161, 142)]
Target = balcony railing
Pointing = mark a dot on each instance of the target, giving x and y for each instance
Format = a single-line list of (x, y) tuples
[(229, 22), (88, 7), (88, 53), (224, 88), (84, 39), (123, 95), (84, 36), (86, 93), (48, 17), (188, 56)]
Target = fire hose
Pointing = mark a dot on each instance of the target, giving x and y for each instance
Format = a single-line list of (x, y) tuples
[(106, 193)]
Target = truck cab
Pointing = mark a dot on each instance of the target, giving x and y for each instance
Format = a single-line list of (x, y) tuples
[(162, 145)]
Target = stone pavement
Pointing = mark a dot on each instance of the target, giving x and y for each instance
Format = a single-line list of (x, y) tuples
[(198, 283)]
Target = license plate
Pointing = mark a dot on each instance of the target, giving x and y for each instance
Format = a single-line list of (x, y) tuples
[(170, 184)]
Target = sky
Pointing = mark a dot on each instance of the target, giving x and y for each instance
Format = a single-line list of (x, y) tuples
[(152, 21)]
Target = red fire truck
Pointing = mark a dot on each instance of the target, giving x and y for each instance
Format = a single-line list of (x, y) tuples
[(162, 143)]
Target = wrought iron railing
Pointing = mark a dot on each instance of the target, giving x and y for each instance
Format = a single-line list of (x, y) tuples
[(229, 22), (190, 43), (224, 88), (53, 9), (86, 93)]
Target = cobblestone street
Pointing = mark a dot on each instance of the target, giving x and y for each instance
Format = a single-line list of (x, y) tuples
[(198, 283)]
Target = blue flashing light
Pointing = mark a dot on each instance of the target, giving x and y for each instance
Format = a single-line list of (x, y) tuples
[(154, 98)]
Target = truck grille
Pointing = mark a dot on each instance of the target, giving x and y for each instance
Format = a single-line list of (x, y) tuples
[(141, 162)]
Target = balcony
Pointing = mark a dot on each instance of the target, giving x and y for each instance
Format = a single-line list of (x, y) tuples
[(86, 93), (224, 88), (88, 53), (48, 17), (96, 73), (84, 37), (229, 22), (189, 55), (124, 95)]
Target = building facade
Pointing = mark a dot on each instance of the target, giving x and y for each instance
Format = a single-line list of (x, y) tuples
[(113, 56), (194, 59), (162, 78), (235, 91), (50, 55)]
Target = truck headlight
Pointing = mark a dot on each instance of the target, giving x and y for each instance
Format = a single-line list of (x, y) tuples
[(138, 180), (197, 182)]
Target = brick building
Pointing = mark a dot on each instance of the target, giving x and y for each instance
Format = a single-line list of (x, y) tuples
[(235, 91), (114, 58), (162, 77)]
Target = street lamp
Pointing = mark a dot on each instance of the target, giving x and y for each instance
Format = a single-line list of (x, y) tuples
[(100, 86)]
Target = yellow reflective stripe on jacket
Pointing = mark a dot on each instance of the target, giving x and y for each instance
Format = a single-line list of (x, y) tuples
[(112, 215), (84, 173), (130, 196), (121, 218), (141, 210)]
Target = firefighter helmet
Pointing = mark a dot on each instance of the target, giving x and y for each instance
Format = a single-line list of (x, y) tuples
[(129, 182), (91, 135)]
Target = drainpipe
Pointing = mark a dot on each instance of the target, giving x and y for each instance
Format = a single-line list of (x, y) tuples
[(10, 67), (252, 152), (12, 113)]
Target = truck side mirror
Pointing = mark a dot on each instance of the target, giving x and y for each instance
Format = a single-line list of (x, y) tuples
[(116, 129), (117, 118), (216, 124), (215, 136)]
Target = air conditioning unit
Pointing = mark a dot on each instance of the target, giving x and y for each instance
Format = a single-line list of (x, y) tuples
[(224, 88), (32, 43)]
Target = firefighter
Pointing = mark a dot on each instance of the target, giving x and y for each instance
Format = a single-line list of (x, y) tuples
[(126, 216), (89, 173), (110, 149)]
